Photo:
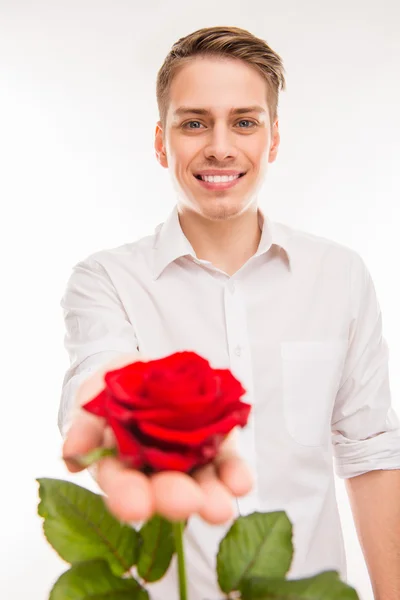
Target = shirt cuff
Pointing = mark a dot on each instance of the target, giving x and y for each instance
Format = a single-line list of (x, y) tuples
[(356, 457)]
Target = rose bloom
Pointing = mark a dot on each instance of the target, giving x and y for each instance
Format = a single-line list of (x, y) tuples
[(171, 413)]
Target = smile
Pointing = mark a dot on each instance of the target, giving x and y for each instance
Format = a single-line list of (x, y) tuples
[(218, 182)]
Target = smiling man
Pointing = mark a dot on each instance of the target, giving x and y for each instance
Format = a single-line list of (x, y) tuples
[(294, 316), (218, 152)]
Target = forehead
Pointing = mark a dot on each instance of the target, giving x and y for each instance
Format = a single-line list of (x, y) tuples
[(217, 85)]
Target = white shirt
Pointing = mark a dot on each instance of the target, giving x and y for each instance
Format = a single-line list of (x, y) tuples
[(299, 325)]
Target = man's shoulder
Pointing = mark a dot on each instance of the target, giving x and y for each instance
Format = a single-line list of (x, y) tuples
[(137, 252), (300, 241)]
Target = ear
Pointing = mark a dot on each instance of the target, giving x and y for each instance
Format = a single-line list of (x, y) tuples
[(159, 146), (273, 151)]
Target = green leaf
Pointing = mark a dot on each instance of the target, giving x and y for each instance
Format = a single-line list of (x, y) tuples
[(259, 544), (79, 526), (158, 547), (93, 580), (325, 586)]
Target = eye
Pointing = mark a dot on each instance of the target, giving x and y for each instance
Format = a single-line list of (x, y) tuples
[(252, 124), (247, 121), (188, 123)]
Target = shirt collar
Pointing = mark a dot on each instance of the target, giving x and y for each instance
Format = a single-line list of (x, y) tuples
[(170, 243)]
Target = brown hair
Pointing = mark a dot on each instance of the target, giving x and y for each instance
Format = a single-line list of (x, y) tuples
[(222, 42)]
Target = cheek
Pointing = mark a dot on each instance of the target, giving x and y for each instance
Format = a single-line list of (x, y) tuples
[(184, 160), (185, 156), (257, 149), (263, 153)]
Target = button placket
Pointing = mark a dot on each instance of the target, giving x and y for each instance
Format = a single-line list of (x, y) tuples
[(241, 367)]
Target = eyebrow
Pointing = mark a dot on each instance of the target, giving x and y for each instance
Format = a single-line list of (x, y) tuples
[(184, 110)]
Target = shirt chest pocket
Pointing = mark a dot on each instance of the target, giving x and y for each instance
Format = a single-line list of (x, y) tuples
[(311, 374)]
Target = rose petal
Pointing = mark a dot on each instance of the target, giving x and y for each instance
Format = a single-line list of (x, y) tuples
[(97, 406), (174, 388), (230, 388), (128, 447), (172, 378), (179, 361), (124, 414), (127, 382), (194, 415), (239, 416), (161, 460), (169, 393), (197, 410)]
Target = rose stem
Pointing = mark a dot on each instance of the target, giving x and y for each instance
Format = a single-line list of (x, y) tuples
[(178, 527)]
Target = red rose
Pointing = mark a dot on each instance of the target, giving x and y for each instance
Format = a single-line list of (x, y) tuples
[(171, 413)]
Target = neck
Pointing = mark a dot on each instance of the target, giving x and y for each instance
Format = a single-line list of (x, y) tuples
[(227, 244)]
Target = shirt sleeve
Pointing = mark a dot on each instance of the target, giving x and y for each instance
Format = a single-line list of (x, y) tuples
[(97, 329), (365, 427)]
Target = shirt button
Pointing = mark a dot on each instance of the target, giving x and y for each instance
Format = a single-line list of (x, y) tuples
[(231, 286), (238, 351)]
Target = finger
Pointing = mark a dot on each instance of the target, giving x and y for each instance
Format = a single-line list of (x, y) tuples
[(218, 502), (128, 492), (85, 434), (176, 495), (234, 474), (232, 470)]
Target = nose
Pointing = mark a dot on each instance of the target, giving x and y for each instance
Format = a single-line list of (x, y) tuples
[(220, 143)]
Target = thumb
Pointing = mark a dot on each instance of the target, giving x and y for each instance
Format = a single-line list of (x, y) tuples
[(86, 431)]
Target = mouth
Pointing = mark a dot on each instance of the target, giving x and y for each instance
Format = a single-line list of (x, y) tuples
[(219, 185)]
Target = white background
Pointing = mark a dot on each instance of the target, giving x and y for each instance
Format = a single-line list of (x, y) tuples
[(79, 173)]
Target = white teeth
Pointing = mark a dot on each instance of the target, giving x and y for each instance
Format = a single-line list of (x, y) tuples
[(218, 178)]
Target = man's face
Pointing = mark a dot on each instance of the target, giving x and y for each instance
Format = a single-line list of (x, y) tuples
[(218, 140)]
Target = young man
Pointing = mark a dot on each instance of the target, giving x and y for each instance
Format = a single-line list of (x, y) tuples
[(294, 316)]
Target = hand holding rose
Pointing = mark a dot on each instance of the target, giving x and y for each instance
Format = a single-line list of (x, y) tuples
[(167, 435)]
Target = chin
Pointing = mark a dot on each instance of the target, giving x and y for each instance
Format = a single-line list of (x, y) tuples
[(220, 211)]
